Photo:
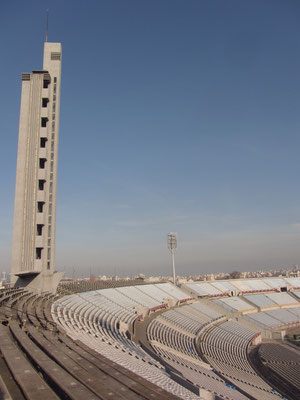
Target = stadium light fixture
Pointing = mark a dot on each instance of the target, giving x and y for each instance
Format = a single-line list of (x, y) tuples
[(172, 245)]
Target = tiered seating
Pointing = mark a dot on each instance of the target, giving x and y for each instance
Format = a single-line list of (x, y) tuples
[(297, 293), (283, 360), (281, 298), (284, 316), (190, 318), (279, 353), (172, 336), (275, 283), (257, 284), (102, 320), (241, 285), (94, 318), (139, 297), (263, 320), (233, 304), (159, 330), (260, 300), (204, 289), (84, 285), (172, 291), (224, 286), (202, 377), (295, 282), (101, 376), (225, 348), (180, 319), (295, 311), (275, 318), (154, 292)]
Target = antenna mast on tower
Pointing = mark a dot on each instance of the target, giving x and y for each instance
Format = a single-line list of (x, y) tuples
[(47, 14)]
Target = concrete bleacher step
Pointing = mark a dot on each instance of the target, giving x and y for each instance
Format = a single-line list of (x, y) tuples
[(9, 388), (97, 379), (85, 375), (140, 385), (31, 384), (61, 381)]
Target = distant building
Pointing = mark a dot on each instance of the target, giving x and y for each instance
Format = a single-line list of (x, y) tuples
[(33, 246)]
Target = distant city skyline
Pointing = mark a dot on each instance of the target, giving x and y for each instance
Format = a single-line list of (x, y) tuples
[(175, 116)]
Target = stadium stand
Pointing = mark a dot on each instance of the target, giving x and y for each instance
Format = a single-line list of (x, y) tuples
[(115, 306), (233, 304), (90, 344), (204, 289), (44, 362), (275, 283), (294, 282), (225, 347), (260, 300), (282, 363), (224, 286)]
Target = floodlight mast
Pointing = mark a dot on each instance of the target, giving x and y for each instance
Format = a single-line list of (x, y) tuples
[(172, 245)]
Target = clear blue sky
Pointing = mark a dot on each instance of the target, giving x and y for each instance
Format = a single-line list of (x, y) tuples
[(175, 116)]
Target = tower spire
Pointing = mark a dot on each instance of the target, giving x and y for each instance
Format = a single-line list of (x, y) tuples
[(47, 14)]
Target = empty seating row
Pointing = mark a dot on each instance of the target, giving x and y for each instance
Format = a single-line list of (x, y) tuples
[(244, 285), (279, 353), (184, 320), (95, 318), (225, 347), (260, 300), (233, 304), (281, 298), (204, 289), (200, 376), (163, 332)]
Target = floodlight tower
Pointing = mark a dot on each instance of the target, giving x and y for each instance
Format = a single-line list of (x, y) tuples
[(172, 245)]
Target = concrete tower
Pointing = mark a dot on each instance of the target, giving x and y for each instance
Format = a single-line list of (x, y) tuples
[(33, 246)]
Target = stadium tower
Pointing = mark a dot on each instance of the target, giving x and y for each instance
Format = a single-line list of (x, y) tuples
[(33, 246)]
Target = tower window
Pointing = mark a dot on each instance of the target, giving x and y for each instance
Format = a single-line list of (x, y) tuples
[(42, 162), (45, 102), (45, 84), (41, 184), (44, 122), (43, 142), (38, 253), (40, 206), (55, 56), (39, 229)]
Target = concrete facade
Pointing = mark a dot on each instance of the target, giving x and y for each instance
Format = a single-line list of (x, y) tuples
[(33, 246)]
